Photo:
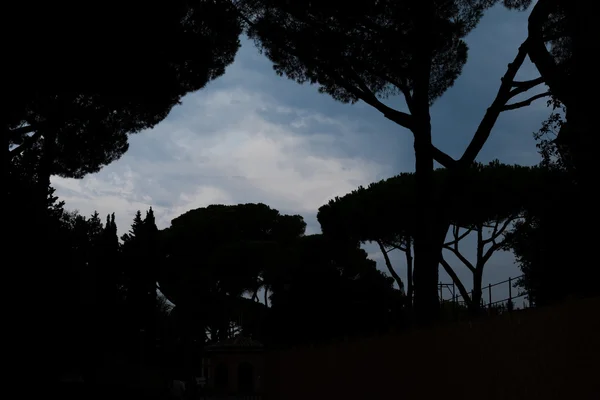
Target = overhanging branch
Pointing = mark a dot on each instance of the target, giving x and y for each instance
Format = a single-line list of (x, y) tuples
[(491, 116)]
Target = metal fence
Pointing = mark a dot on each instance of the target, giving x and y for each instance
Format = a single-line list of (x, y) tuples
[(495, 295)]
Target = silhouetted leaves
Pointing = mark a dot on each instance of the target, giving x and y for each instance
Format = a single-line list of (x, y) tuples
[(131, 65), (327, 290), (386, 209), (357, 50)]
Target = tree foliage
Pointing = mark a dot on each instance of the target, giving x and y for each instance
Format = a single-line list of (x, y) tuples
[(563, 48), (141, 263), (214, 255), (493, 197), (352, 36), (81, 108), (328, 289), (385, 209)]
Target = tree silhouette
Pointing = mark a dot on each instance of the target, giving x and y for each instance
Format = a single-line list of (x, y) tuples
[(214, 255), (141, 263), (69, 112), (495, 196), (329, 289), (410, 48), (76, 115), (553, 249), (563, 47)]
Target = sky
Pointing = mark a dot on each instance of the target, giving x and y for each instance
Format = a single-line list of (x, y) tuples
[(252, 136)]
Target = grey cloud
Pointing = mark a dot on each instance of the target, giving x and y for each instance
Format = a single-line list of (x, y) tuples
[(219, 149)]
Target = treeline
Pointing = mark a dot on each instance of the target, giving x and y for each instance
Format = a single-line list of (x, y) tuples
[(214, 273), (219, 271)]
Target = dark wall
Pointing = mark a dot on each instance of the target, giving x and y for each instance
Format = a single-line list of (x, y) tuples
[(546, 353)]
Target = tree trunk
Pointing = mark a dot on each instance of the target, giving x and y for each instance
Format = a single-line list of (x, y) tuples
[(428, 245), (409, 271), (427, 248), (477, 291), (266, 296)]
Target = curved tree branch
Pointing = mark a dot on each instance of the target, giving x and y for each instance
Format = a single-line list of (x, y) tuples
[(388, 264), (456, 280), (462, 258)]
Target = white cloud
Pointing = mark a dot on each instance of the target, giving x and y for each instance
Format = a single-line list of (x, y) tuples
[(225, 146)]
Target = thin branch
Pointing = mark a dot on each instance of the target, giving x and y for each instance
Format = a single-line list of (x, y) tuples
[(393, 246), (525, 103), (457, 237), (496, 227), (528, 84), (499, 230), (484, 259), (523, 87)]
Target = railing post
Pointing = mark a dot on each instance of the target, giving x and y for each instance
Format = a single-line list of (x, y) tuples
[(453, 291), (490, 296), (441, 293), (510, 292)]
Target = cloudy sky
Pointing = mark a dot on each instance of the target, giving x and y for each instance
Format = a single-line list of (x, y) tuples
[(252, 136)]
